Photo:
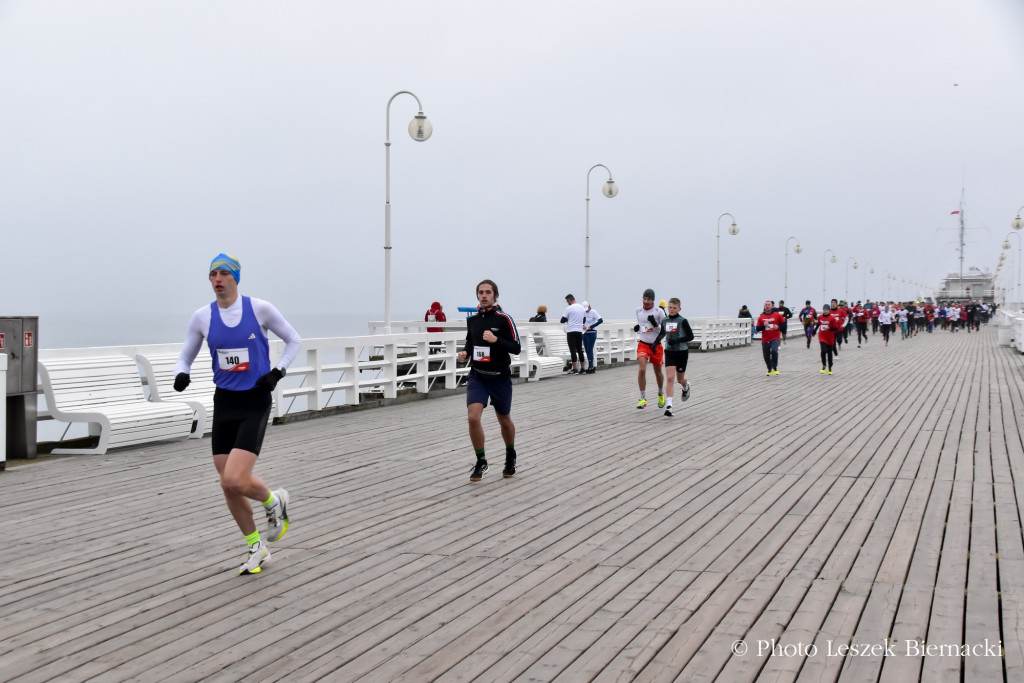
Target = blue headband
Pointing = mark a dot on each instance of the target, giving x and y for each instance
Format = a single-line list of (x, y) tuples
[(229, 263)]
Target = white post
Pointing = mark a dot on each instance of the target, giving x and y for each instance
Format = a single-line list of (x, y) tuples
[(3, 410)]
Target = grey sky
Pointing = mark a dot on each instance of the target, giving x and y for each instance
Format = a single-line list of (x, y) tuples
[(138, 139)]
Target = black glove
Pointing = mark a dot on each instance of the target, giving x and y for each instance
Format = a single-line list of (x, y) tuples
[(654, 323), (181, 380), (636, 328), (270, 380)]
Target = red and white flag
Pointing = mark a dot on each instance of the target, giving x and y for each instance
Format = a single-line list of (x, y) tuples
[(953, 213)]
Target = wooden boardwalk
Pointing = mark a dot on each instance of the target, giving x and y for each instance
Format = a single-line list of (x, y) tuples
[(799, 514)]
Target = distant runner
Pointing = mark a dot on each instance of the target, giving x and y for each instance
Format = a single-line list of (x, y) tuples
[(648, 349), (768, 324), (491, 341), (678, 336)]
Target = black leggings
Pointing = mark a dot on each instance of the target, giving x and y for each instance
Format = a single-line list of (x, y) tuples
[(826, 354), (886, 329), (575, 340)]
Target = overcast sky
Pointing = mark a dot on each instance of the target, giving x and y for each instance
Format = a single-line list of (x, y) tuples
[(138, 139)]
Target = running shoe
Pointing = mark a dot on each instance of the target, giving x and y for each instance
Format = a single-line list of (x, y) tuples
[(478, 470), (641, 404), (510, 467), (775, 372), (661, 400), (768, 374), (686, 391), (830, 372), (277, 516), (258, 554), (668, 411), (591, 371), (823, 371)]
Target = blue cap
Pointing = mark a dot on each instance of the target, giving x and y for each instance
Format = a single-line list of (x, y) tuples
[(229, 263)]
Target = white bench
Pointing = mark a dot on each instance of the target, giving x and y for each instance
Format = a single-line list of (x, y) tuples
[(107, 393), (159, 373), (555, 344), (538, 366)]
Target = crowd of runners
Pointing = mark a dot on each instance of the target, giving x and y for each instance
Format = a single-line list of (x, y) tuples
[(837, 321), (235, 330)]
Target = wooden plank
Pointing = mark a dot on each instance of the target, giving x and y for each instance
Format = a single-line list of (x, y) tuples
[(819, 511)]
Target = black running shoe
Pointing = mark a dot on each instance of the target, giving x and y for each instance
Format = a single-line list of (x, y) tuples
[(478, 470), (510, 467)]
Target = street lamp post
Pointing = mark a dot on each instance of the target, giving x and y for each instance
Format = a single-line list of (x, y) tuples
[(823, 263), (733, 230), (868, 268), (1006, 245), (785, 273), (848, 259), (420, 130), (610, 189)]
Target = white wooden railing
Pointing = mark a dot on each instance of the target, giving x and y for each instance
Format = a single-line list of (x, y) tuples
[(1010, 330), (345, 371), (3, 410), (709, 333)]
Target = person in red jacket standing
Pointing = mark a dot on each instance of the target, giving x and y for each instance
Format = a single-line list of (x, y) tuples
[(434, 314), (826, 326), (769, 325)]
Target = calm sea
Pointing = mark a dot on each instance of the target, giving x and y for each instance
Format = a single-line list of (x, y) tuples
[(80, 330)]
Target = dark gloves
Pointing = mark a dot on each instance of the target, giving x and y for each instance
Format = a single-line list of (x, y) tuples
[(650, 319), (636, 328), (270, 380), (181, 380)]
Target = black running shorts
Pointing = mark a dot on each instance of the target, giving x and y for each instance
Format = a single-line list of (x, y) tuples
[(676, 359), (240, 420), (479, 388)]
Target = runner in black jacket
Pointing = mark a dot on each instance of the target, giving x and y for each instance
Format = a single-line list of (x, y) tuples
[(491, 340)]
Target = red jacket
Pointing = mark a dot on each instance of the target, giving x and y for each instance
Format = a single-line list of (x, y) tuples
[(769, 324), (435, 314)]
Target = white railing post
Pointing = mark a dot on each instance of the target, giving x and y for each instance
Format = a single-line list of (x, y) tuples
[(391, 368), (350, 395), (3, 409), (316, 379)]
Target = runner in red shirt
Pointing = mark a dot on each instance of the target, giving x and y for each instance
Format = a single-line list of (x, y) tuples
[(863, 315), (841, 315), (769, 325), (826, 325)]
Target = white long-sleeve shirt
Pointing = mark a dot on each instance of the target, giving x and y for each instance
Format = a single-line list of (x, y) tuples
[(267, 316)]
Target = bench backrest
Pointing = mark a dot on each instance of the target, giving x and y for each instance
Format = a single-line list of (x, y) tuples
[(555, 343), (75, 382), (159, 372)]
